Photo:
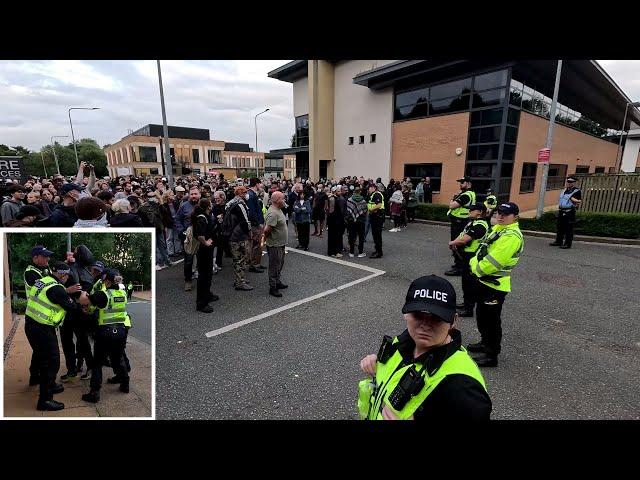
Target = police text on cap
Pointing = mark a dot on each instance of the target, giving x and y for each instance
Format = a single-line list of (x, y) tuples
[(433, 294)]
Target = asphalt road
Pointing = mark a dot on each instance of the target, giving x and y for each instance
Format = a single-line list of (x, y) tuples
[(571, 345), (140, 313)]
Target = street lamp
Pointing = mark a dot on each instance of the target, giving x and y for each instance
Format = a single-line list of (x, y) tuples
[(73, 138), (53, 147), (624, 122), (255, 121)]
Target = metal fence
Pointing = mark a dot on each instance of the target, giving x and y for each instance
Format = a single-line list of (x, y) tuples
[(610, 193)]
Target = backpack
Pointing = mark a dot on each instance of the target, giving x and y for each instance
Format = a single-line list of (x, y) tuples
[(227, 225), (191, 244)]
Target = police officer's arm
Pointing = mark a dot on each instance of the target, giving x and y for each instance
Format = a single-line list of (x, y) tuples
[(99, 299), (475, 232), (576, 198), (503, 250), (58, 295), (460, 201), (31, 277), (377, 202), (457, 397)]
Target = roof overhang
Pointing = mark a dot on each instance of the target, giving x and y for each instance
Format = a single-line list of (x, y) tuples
[(290, 72), (584, 85), (288, 151)]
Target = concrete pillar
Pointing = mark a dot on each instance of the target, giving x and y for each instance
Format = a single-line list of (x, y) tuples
[(630, 154), (321, 97)]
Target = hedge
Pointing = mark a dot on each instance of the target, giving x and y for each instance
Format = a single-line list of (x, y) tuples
[(615, 225), (19, 305)]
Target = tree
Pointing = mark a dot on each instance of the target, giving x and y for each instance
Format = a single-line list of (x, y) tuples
[(129, 253)]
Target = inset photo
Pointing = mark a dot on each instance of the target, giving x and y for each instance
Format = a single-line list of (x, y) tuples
[(78, 324)]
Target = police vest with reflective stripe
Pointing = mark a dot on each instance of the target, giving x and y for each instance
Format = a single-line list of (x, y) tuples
[(490, 202), (40, 308), (565, 199), (31, 290), (371, 203), (388, 376), (116, 309), (98, 286), (462, 211), (489, 250), (475, 243)]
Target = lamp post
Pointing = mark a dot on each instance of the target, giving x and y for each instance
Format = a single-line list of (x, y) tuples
[(43, 167), (624, 122), (255, 121), (73, 138), (53, 147), (167, 149)]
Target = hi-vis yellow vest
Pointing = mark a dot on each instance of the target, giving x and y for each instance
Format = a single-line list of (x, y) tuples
[(31, 290), (40, 308), (388, 376), (116, 309), (472, 246), (98, 286), (461, 211)]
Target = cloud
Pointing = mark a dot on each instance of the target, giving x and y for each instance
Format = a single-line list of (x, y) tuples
[(222, 96)]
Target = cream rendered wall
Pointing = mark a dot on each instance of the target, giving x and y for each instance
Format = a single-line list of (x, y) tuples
[(301, 97), (361, 111)]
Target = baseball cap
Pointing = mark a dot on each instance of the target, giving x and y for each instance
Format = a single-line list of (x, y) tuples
[(98, 266), (40, 250), (431, 294), (464, 179), (67, 187), (111, 274), (489, 190), (180, 189), (508, 208), (478, 206), (60, 267), (571, 179)]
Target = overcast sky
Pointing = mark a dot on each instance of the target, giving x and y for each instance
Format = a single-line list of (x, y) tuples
[(222, 96)]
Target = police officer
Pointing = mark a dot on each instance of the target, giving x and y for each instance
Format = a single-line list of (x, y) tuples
[(570, 198), (493, 263), (466, 246), (490, 202), (129, 290), (375, 206), (111, 335), (424, 373), (458, 214), (38, 268), (47, 305)]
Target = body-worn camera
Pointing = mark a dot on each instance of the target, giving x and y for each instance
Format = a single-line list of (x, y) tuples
[(409, 385), (386, 349)]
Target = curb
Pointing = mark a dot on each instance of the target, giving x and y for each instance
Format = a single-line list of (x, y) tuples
[(534, 233)]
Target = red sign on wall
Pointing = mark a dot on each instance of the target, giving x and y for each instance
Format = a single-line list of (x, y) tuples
[(544, 154)]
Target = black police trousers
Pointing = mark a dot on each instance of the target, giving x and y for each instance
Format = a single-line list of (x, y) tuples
[(205, 275), (457, 225), (110, 341), (377, 224), (45, 361), (566, 220), (77, 324), (489, 308), (469, 282)]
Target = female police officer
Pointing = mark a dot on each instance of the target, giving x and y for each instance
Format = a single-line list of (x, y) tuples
[(424, 373)]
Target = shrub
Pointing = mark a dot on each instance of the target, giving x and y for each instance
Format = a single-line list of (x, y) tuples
[(432, 211), (19, 305), (615, 225)]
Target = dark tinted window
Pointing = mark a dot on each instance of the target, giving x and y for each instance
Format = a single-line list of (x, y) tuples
[(483, 152), (582, 169), (148, 154), (484, 135), (599, 170), (485, 99), (449, 105), (414, 96), (506, 170), (411, 111), (490, 80), (451, 89), (431, 170), (513, 117), (480, 170), (508, 152), (486, 117), (557, 175), (511, 135)]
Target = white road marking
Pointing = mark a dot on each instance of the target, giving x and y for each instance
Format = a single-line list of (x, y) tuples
[(375, 272)]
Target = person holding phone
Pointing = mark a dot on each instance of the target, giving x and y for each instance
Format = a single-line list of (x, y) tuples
[(424, 373)]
